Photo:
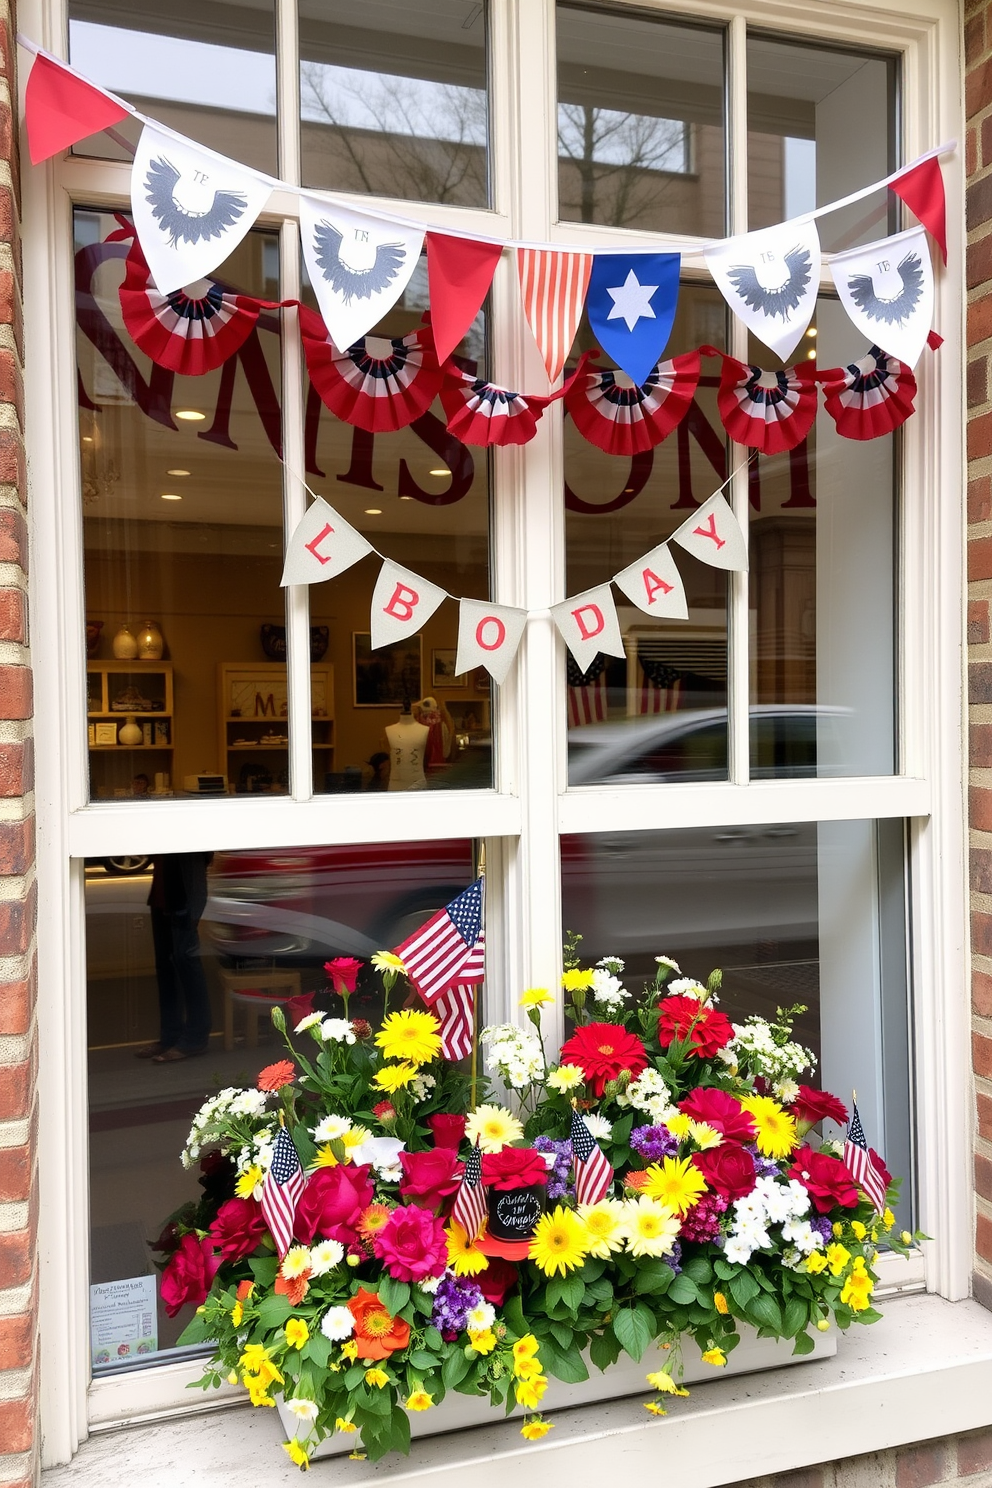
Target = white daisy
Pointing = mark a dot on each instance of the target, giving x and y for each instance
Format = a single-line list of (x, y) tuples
[(337, 1029), (480, 1318), (337, 1324), (325, 1256), (303, 1410), (331, 1129), (307, 1022), (599, 1127)]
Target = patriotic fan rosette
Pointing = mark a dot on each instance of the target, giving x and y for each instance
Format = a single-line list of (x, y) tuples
[(376, 384), (376, 1230), (869, 397), (482, 413), (767, 411), (624, 420)]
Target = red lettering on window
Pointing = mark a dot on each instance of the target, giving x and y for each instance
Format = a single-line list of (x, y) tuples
[(500, 633), (585, 631), (710, 531), (315, 543), (402, 603), (654, 585)]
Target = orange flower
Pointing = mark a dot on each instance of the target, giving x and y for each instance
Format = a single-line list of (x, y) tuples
[(377, 1333), (372, 1219), (245, 1289), (274, 1076), (293, 1287), (635, 1179)]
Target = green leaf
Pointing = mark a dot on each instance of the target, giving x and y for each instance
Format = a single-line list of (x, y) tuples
[(454, 1369), (433, 1339), (514, 1313), (303, 1142), (795, 1317), (699, 1269), (654, 1276), (765, 1311), (633, 1327), (743, 1288), (318, 1349), (573, 1288), (563, 1334), (423, 1302), (565, 1364), (724, 1269), (274, 1310), (401, 1430), (683, 1291), (353, 1377), (421, 1359), (264, 1270), (394, 1295), (197, 1329), (803, 1344), (604, 1350)]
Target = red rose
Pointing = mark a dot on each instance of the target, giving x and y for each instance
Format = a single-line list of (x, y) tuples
[(429, 1177), (812, 1106), (497, 1281), (343, 972), (827, 1180), (514, 1167), (297, 1008), (412, 1245), (602, 1051), (188, 1276), (710, 1029), (728, 1170), (238, 1228), (448, 1130), (721, 1111), (332, 1202)]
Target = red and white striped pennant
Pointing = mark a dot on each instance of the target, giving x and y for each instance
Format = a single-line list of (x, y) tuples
[(553, 290)]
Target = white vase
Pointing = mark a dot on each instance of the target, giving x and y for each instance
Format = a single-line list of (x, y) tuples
[(130, 731), (150, 641), (125, 645)]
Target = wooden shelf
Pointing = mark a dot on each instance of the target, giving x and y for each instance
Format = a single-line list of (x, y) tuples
[(245, 685), (129, 748)]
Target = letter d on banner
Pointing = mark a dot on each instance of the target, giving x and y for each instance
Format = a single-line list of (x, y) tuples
[(588, 624), (322, 546), (488, 635), (402, 602)]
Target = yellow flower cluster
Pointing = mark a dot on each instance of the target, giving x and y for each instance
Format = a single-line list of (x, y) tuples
[(258, 1373), (643, 1225), (530, 1382)]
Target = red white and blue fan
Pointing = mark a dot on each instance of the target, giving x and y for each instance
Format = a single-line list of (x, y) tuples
[(378, 385), (482, 413), (189, 333), (870, 397), (767, 411), (628, 420)]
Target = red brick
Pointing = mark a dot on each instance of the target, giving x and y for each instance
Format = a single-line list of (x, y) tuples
[(970, 151), (17, 768), (11, 381), (979, 320), (16, 846), (980, 684), (981, 932), (983, 1236), (980, 433), (15, 1090), (13, 471), (978, 256), (978, 201), (17, 924), (979, 499), (15, 692), (16, 1250), (974, 38), (17, 1420), (978, 382), (978, 622), (979, 746), (15, 1175), (974, 1453), (13, 538), (983, 1176), (981, 1051), (981, 991), (17, 1005), (977, 87), (17, 1335), (920, 1465), (13, 616), (806, 1477), (985, 1116)]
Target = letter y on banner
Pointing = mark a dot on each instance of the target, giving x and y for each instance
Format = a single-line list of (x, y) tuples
[(488, 635), (402, 602), (588, 624), (712, 535), (322, 546)]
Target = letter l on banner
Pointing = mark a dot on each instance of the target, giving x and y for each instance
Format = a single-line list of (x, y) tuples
[(402, 602), (488, 636), (588, 624), (322, 546)]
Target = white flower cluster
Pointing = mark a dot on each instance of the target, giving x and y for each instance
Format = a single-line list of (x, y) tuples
[(754, 1044), (514, 1054), (607, 991), (689, 987), (648, 1093), (612, 964), (769, 1202), (211, 1120), (422, 1086), (257, 1154), (361, 1147)]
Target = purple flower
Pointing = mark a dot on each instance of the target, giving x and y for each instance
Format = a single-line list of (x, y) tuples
[(453, 1301), (674, 1258), (822, 1225), (764, 1167), (560, 1172), (653, 1142)]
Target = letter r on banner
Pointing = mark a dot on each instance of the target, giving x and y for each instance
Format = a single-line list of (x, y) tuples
[(402, 602), (488, 636)]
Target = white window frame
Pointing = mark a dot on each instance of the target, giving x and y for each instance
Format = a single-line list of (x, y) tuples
[(521, 819)]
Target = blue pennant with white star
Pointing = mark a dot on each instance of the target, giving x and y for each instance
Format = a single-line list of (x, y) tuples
[(631, 306)]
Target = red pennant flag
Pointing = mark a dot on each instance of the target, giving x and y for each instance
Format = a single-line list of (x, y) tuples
[(60, 109), (553, 290), (459, 273), (922, 189)]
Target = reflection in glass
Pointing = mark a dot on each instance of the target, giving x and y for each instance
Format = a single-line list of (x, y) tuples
[(206, 70), (182, 533), (659, 712), (640, 122), (186, 955), (821, 124), (393, 99), (808, 913)]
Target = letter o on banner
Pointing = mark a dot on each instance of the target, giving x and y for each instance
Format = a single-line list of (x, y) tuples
[(402, 603), (488, 636), (498, 634)]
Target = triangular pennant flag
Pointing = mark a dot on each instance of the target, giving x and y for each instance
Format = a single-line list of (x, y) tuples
[(459, 273), (488, 636), (922, 189), (322, 546), (60, 109), (588, 624), (553, 290), (770, 280), (887, 290), (654, 584), (191, 208), (359, 265), (402, 602), (712, 534), (631, 307)]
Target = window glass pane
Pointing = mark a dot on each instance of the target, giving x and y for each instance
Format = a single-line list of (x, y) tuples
[(206, 68), (798, 912), (393, 98), (640, 122), (821, 124), (191, 952), (182, 534), (660, 712), (822, 551), (403, 719)]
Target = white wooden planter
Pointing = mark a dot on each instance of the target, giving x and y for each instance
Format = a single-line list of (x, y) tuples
[(625, 1377)]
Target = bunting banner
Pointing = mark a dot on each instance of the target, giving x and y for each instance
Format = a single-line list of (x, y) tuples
[(459, 273), (402, 603), (713, 535), (60, 109), (553, 288), (588, 624), (359, 265), (770, 412), (922, 189), (887, 290), (870, 397), (631, 304), (191, 208), (654, 584), (377, 384), (488, 636), (480, 413), (322, 546), (770, 280), (626, 420)]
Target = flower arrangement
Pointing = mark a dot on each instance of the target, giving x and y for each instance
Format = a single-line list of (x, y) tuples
[(661, 1179)]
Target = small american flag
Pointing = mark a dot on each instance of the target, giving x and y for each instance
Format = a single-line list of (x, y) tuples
[(469, 1209), (456, 1010), (284, 1183), (593, 1172), (449, 950), (861, 1163), (588, 694), (660, 688)]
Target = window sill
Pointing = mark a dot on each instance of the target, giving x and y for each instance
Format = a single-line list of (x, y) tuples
[(924, 1371)]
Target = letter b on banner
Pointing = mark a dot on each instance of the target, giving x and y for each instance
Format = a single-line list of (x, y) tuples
[(488, 636), (402, 603)]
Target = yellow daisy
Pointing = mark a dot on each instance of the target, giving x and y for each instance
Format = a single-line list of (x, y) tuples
[(387, 961), (776, 1129), (483, 1342), (705, 1136), (463, 1257), (249, 1181), (577, 981), (716, 1357), (420, 1400), (393, 1077), (412, 1035), (560, 1242), (604, 1227), (529, 1392), (680, 1126), (297, 1333), (297, 1454), (649, 1228), (534, 1430), (676, 1183), (493, 1128), (565, 1078), (324, 1157), (535, 997), (662, 1381)]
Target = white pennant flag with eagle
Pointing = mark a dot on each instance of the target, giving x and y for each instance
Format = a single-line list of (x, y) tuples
[(191, 208), (358, 265), (770, 280), (887, 290)]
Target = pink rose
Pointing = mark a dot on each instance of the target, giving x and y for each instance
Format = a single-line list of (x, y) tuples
[(238, 1228), (412, 1245), (343, 972), (429, 1177), (189, 1275), (332, 1202)]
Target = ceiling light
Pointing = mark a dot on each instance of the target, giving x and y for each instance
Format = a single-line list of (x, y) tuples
[(192, 415), (373, 511), (439, 470), (170, 496), (87, 438), (811, 356), (811, 331), (406, 498), (177, 472)]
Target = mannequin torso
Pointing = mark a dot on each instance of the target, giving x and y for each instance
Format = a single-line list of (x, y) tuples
[(407, 741)]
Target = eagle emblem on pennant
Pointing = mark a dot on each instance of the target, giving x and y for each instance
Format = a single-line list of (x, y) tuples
[(181, 216), (784, 298), (898, 309), (355, 283)]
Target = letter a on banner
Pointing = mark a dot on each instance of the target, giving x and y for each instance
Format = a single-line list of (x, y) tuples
[(402, 602), (654, 585), (488, 636), (588, 624), (322, 546), (712, 535)]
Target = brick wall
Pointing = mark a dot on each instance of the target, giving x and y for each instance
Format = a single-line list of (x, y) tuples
[(978, 164), (963, 1459), (18, 1186)]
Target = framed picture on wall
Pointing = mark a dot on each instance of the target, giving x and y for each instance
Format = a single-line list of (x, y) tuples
[(388, 677), (443, 670)]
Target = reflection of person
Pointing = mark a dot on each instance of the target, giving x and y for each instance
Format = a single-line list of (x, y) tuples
[(177, 899), (139, 785), (407, 741), (441, 731), (379, 764)]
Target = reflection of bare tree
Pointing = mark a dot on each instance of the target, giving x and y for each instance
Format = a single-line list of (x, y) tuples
[(420, 141), (624, 162)]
